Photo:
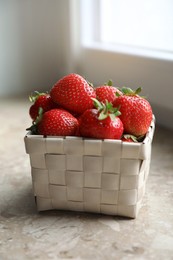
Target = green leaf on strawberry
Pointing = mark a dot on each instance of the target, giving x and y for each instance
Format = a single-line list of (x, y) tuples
[(35, 95), (109, 83), (129, 91), (106, 109), (129, 138)]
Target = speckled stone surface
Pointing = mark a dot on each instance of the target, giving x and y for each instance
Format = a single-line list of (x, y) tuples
[(27, 234)]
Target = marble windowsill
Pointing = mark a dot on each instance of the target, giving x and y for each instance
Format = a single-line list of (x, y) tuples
[(25, 234)]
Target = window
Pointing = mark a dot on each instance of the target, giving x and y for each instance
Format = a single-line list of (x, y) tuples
[(146, 24), (139, 27)]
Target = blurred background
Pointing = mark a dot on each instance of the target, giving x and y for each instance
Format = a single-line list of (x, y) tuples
[(130, 42)]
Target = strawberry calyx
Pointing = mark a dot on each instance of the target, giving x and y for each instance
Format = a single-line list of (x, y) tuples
[(109, 83), (129, 138), (35, 95), (106, 110), (129, 92), (33, 127), (132, 138)]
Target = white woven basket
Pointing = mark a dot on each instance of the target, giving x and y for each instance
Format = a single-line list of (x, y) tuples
[(81, 174)]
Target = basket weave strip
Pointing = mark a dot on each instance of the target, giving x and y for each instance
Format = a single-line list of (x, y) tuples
[(102, 176)]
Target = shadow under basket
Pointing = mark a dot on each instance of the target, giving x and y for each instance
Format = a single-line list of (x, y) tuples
[(89, 175)]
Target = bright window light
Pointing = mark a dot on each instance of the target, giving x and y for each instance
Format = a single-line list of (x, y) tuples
[(135, 24), (147, 24)]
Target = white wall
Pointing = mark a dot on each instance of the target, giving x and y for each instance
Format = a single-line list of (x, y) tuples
[(31, 55)]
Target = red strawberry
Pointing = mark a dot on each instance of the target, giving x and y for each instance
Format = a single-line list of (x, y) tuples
[(42, 100), (57, 122), (101, 123), (73, 93), (107, 92), (136, 112)]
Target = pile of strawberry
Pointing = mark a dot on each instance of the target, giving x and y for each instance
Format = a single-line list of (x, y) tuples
[(73, 107)]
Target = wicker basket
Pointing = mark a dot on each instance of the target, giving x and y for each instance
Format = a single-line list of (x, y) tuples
[(81, 174)]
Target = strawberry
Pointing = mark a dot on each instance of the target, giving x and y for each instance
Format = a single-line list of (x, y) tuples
[(57, 122), (101, 122), (42, 100), (136, 112), (107, 92), (73, 93)]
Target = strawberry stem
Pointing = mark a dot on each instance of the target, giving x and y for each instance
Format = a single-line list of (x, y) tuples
[(106, 110)]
